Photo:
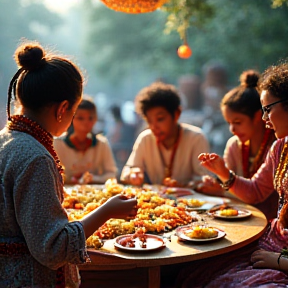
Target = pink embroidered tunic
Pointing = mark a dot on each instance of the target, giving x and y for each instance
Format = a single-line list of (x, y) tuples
[(235, 269)]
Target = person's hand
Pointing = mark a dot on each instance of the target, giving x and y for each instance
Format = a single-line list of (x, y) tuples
[(136, 176), (210, 186), (121, 207), (265, 259), (75, 178), (215, 164), (169, 182), (86, 178)]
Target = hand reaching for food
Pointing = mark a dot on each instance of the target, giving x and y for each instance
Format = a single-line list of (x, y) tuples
[(215, 164), (169, 182), (121, 207), (136, 176), (86, 178)]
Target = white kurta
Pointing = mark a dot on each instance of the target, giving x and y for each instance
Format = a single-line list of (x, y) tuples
[(186, 166), (98, 159)]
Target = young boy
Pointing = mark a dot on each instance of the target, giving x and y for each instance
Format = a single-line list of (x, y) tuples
[(167, 152), (87, 157)]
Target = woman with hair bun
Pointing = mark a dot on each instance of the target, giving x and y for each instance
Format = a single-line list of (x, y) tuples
[(38, 245), (247, 149)]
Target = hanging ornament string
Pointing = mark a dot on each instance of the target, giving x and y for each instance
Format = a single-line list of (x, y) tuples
[(169, 168), (23, 124), (249, 169)]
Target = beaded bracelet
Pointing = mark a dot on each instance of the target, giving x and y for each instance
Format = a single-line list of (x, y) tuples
[(284, 253), (226, 185)]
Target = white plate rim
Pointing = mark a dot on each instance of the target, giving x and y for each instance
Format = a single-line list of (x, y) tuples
[(182, 236), (160, 239)]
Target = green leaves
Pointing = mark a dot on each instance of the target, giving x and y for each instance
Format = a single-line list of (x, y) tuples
[(185, 13)]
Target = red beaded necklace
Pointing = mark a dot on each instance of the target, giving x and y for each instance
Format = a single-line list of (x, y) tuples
[(169, 168), (250, 169), (81, 146), (23, 124)]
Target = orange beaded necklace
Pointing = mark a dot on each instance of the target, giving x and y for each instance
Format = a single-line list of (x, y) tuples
[(281, 174), (249, 169), (23, 124)]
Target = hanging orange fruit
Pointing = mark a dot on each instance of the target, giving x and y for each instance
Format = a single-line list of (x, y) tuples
[(184, 51)]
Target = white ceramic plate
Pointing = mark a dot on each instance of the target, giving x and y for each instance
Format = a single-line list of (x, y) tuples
[(182, 236), (241, 214), (153, 242)]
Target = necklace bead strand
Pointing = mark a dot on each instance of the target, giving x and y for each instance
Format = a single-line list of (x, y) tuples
[(22, 123), (280, 174)]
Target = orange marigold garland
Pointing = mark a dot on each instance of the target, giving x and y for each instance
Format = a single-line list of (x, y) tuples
[(134, 6)]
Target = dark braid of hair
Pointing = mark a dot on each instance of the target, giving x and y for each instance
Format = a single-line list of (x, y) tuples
[(12, 87)]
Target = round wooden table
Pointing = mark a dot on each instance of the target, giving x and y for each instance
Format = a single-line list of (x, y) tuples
[(143, 268)]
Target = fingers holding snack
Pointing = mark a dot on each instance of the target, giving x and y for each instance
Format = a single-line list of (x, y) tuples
[(121, 206), (205, 157), (169, 182), (213, 162)]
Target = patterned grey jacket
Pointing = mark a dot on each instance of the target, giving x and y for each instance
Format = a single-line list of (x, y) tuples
[(31, 213)]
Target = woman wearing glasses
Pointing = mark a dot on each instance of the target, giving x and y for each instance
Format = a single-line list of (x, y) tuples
[(247, 149), (270, 256)]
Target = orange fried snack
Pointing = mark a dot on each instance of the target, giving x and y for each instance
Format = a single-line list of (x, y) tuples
[(201, 232), (228, 212)]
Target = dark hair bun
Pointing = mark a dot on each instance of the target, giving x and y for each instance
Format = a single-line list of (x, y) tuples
[(29, 56), (250, 78)]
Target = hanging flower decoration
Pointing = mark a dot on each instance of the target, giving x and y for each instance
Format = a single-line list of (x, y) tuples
[(134, 6)]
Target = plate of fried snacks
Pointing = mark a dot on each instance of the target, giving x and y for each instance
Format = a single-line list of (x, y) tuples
[(199, 233), (139, 241), (230, 213), (191, 204)]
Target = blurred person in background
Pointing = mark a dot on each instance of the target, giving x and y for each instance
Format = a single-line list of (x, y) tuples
[(247, 149), (167, 152), (121, 137), (87, 158), (189, 87), (213, 88)]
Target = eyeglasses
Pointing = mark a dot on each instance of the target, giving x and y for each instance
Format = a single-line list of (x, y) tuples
[(267, 108)]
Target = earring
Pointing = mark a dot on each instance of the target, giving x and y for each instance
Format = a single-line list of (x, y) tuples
[(60, 118)]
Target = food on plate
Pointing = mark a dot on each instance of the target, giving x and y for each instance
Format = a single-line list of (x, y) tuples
[(192, 203), (94, 241), (137, 239), (201, 232), (115, 227), (228, 212)]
